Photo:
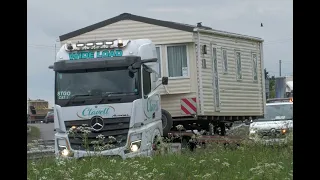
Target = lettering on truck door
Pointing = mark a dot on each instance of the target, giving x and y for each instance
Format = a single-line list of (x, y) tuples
[(150, 100), (215, 83)]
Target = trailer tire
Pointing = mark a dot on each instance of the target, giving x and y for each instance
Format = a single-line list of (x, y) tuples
[(166, 122)]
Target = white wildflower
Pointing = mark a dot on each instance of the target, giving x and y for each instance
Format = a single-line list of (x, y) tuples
[(111, 138), (179, 127), (89, 175), (143, 168), (226, 164), (60, 163), (170, 164), (100, 136), (149, 175), (280, 166), (216, 160), (202, 161), (35, 171), (206, 176)]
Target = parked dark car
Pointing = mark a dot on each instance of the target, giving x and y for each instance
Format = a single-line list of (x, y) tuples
[(49, 117)]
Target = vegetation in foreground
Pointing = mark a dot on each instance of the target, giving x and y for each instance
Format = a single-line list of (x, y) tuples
[(34, 134), (245, 162)]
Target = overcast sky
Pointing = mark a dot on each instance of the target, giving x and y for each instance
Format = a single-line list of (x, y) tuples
[(49, 19)]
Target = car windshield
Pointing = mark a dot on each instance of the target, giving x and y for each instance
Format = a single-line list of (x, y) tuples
[(95, 83), (276, 112)]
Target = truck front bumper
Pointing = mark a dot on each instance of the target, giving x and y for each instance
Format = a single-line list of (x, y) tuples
[(275, 141), (71, 153)]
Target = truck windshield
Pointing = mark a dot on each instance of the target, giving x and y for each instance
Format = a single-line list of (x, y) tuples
[(95, 84), (278, 112)]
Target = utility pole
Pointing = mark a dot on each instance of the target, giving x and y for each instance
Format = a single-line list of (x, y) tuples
[(55, 52), (280, 68)]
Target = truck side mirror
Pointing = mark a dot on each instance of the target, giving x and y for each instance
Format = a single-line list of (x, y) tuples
[(247, 122), (164, 80)]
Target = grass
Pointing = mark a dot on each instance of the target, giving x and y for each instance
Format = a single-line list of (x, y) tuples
[(34, 134), (246, 162)]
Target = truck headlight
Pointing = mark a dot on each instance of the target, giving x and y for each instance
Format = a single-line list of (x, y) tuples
[(135, 146), (284, 131), (252, 134), (63, 147), (135, 142), (65, 152)]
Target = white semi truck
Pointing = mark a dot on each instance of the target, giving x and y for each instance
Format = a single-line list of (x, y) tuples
[(284, 87), (113, 88), (108, 86)]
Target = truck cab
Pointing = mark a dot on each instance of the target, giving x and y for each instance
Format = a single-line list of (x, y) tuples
[(107, 87)]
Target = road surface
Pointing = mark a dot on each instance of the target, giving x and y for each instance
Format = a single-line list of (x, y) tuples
[(46, 130)]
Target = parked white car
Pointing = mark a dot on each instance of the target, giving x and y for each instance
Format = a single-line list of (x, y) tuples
[(276, 124)]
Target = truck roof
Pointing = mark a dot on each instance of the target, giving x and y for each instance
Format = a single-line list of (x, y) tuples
[(290, 84), (138, 47), (109, 49)]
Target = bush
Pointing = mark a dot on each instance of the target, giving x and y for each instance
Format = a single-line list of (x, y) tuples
[(214, 162), (34, 134), (249, 161)]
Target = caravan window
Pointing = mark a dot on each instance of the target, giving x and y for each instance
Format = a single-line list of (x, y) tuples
[(177, 59)]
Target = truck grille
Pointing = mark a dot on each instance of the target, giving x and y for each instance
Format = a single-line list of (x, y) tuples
[(115, 127), (270, 134)]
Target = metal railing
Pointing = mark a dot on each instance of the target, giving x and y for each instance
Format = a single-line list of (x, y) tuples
[(40, 149)]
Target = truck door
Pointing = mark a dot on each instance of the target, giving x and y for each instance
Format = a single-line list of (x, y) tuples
[(151, 103), (215, 83)]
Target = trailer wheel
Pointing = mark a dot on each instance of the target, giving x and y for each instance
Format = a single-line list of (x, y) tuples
[(166, 122)]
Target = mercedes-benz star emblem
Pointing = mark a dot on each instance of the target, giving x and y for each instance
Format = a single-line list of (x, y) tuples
[(97, 123)]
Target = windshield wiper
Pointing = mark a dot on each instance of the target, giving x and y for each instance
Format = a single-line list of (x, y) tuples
[(111, 93), (74, 96)]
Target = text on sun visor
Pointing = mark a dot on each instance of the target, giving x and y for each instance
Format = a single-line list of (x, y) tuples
[(95, 54)]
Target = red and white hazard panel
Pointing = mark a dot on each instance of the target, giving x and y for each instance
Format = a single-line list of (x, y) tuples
[(188, 106)]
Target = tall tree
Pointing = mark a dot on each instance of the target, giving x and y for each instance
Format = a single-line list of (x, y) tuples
[(272, 91), (272, 87)]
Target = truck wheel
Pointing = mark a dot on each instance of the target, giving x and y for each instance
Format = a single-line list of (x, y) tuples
[(156, 143), (166, 122)]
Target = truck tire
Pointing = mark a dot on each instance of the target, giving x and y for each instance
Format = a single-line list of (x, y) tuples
[(166, 122)]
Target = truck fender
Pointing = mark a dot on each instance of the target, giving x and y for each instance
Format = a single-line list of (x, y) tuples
[(155, 137)]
